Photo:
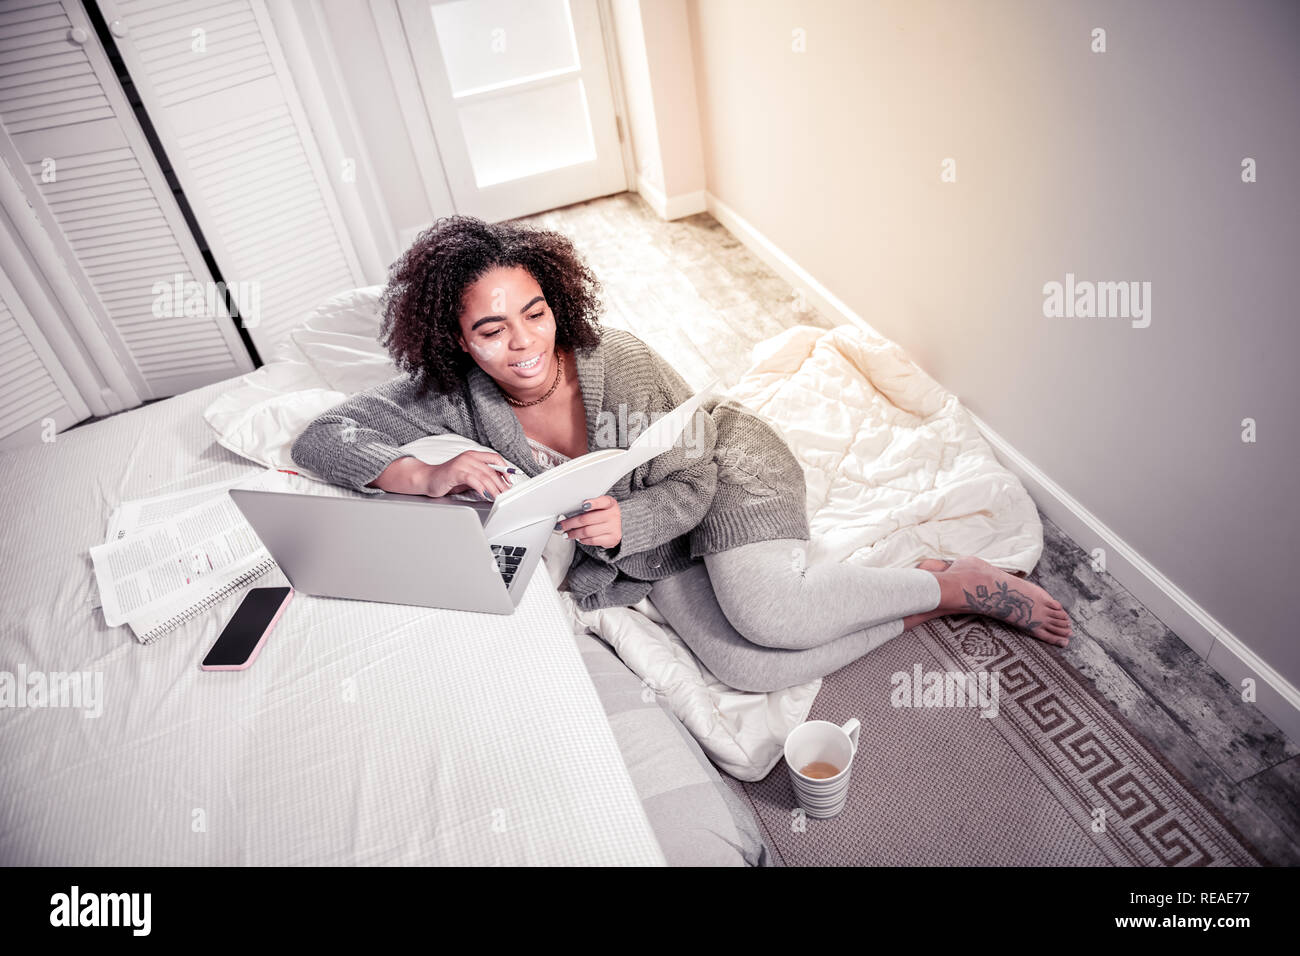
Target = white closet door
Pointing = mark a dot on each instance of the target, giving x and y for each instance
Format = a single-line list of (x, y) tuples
[(37, 399), (214, 81), (104, 199)]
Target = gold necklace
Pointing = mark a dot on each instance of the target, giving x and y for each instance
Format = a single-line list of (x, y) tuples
[(559, 368)]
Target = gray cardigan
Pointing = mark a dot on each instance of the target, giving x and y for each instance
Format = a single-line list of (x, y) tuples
[(734, 483)]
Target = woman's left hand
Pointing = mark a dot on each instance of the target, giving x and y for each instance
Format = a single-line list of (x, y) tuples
[(601, 525)]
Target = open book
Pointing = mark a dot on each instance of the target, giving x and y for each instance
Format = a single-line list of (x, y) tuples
[(562, 490), (171, 557)]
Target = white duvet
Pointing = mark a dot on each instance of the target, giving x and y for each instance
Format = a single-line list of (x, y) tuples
[(895, 468)]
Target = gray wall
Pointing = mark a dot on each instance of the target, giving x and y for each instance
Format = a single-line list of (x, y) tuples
[(1116, 166)]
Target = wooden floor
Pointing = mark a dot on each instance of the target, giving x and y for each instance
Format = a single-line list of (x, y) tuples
[(702, 300)]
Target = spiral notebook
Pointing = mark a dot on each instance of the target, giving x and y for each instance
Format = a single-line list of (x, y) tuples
[(149, 627), (176, 564)]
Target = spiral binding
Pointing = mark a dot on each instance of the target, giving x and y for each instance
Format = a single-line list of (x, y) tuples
[(256, 571)]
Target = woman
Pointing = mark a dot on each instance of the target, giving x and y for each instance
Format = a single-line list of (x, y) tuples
[(496, 328)]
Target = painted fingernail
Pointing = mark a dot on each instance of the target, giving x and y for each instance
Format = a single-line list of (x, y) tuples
[(557, 526), (512, 470), (586, 506), (486, 495)]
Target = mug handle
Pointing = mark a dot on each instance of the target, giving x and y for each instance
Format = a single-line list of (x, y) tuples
[(851, 727)]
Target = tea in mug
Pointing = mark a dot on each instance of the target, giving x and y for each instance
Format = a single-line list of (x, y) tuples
[(819, 770)]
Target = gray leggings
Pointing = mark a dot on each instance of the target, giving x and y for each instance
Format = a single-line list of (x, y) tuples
[(760, 620)]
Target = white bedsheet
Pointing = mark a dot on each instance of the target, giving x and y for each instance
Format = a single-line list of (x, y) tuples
[(364, 733)]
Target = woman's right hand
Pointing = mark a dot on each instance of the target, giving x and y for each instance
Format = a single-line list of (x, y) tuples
[(468, 471)]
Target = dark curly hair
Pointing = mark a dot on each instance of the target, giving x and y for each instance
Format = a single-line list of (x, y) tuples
[(423, 299)]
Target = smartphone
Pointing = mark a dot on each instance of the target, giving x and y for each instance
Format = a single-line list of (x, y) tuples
[(244, 635)]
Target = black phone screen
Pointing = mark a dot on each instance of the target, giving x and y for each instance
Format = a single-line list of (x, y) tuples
[(246, 627)]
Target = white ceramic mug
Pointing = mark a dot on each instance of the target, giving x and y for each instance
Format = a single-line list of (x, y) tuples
[(821, 740)]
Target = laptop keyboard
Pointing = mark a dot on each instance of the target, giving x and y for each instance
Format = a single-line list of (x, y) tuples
[(508, 558)]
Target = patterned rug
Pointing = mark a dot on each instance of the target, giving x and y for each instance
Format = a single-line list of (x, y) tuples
[(1055, 778)]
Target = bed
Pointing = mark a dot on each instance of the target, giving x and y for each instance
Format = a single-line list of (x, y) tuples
[(365, 734)]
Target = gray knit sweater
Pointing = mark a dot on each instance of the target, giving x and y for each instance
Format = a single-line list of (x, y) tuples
[(734, 483)]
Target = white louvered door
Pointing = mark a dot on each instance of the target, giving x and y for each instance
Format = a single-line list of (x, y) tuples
[(216, 86), (94, 185), (37, 398)]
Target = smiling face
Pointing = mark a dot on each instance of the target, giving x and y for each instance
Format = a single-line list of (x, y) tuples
[(505, 321)]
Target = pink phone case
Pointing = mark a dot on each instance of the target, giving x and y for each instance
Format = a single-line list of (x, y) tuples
[(257, 649)]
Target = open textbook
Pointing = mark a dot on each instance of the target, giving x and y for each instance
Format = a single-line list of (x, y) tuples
[(170, 557), (562, 490)]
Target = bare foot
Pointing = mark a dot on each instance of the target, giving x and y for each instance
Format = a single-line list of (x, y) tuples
[(1000, 595), (934, 564)]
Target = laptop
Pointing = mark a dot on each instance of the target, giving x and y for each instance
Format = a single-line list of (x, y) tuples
[(397, 549)]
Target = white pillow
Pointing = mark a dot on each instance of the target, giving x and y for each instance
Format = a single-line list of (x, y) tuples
[(333, 355), (354, 312), (265, 431), (340, 339), (346, 363), (261, 417)]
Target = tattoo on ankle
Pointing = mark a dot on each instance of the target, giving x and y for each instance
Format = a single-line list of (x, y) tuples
[(1003, 604)]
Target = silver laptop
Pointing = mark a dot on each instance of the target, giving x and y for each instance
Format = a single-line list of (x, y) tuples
[(399, 549)]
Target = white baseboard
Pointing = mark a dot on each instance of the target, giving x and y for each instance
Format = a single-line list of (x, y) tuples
[(1276, 697), (671, 207), (1228, 654)]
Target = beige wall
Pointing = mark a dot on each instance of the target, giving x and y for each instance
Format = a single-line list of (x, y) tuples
[(657, 74), (665, 34), (1116, 166)]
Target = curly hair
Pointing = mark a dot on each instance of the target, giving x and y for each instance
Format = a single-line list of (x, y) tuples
[(423, 300)]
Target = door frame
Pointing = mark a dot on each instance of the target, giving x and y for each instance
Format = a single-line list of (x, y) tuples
[(419, 129)]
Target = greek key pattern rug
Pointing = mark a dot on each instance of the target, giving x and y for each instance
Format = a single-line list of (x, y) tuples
[(1053, 776)]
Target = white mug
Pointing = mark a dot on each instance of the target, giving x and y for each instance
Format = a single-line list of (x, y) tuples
[(821, 740)]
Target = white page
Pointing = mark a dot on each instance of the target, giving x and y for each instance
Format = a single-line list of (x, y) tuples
[(561, 490), (130, 517), (163, 565)]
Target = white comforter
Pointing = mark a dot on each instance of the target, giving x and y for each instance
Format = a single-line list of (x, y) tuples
[(896, 472)]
